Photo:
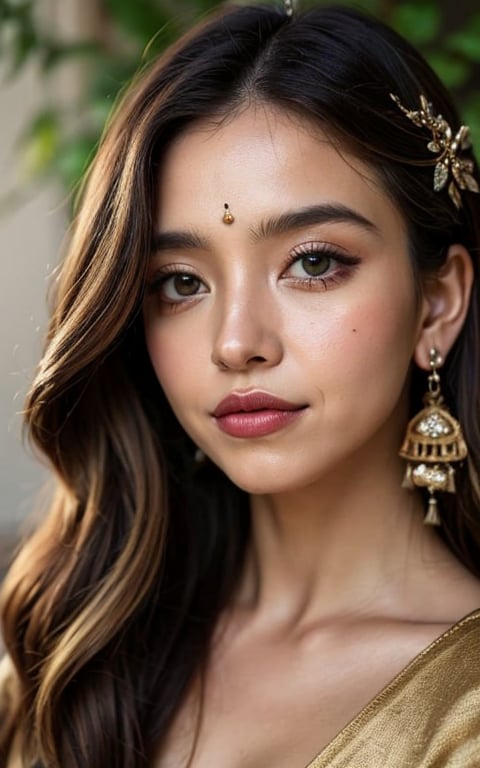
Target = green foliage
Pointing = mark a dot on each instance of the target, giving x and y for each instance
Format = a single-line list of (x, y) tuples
[(471, 116), (453, 70), (454, 53), (466, 42), (40, 143), (18, 34), (60, 142), (420, 23)]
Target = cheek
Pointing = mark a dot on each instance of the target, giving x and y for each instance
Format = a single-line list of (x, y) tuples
[(377, 333), (359, 355), (356, 332), (176, 358)]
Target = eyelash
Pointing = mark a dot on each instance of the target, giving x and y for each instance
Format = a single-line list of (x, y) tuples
[(159, 279), (345, 266)]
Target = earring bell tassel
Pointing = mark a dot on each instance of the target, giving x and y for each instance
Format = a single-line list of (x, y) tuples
[(432, 517)]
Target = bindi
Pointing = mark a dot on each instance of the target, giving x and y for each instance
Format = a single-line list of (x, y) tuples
[(227, 215)]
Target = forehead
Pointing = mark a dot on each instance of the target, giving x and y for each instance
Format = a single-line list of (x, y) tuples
[(259, 161)]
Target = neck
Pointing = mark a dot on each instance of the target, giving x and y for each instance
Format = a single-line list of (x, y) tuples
[(352, 543)]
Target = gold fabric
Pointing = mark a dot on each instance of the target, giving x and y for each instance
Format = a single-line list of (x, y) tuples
[(427, 717)]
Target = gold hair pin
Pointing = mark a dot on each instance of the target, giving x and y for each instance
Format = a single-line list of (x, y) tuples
[(448, 149)]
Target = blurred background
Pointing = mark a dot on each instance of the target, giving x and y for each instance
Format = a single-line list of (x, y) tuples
[(63, 64)]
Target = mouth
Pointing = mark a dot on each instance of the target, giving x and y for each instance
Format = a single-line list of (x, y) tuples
[(254, 414)]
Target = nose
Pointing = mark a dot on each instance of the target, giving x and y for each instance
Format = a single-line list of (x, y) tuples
[(247, 334)]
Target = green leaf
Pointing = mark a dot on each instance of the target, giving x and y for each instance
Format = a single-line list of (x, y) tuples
[(16, 9), (140, 19), (24, 43), (466, 42), (100, 109), (108, 79), (471, 117), (54, 53), (418, 22), (18, 35), (164, 36), (73, 158), (371, 6), (39, 145), (453, 71)]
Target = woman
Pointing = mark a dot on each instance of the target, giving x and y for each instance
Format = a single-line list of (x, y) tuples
[(274, 259)]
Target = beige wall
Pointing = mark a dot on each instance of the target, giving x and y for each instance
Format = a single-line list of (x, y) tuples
[(30, 240)]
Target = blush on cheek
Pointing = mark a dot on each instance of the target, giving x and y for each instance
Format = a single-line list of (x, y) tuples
[(179, 372), (378, 345)]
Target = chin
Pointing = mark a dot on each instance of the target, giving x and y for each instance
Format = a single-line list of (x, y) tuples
[(263, 482)]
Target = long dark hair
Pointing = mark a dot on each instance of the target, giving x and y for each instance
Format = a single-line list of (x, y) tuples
[(109, 609)]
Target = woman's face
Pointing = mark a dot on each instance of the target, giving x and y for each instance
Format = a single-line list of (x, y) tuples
[(282, 340)]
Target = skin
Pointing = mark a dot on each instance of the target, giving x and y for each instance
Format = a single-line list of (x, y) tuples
[(340, 570)]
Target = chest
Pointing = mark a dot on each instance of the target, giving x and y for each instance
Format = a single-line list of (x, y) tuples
[(275, 704)]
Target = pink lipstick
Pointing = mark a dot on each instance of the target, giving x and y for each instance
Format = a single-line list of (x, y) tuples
[(254, 414)]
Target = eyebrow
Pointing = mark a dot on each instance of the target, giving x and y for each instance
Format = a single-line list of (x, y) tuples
[(326, 213), (171, 241)]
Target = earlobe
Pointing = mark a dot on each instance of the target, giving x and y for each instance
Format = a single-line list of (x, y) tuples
[(446, 296)]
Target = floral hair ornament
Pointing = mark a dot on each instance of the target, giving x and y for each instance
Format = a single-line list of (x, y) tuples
[(447, 147)]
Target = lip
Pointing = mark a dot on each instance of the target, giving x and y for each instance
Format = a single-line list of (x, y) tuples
[(254, 414)]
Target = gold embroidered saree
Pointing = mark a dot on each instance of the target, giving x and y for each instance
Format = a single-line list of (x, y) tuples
[(427, 717)]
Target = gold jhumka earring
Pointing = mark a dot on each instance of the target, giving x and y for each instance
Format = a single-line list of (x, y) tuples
[(433, 440)]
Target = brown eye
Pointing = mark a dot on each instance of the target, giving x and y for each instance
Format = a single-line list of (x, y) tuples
[(185, 285), (174, 288)]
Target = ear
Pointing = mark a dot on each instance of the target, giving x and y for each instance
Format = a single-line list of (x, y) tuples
[(445, 300)]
